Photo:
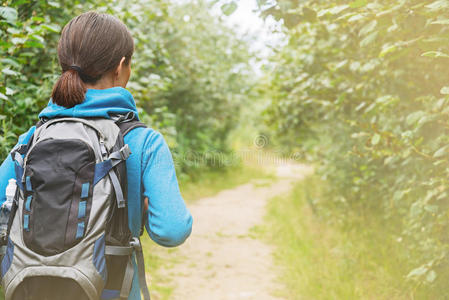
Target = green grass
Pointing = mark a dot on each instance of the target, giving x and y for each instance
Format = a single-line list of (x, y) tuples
[(320, 260)]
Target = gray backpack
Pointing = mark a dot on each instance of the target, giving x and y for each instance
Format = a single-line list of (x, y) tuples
[(68, 234)]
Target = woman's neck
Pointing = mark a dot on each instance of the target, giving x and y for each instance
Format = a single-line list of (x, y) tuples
[(105, 82)]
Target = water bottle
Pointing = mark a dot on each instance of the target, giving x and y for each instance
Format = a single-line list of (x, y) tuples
[(5, 209)]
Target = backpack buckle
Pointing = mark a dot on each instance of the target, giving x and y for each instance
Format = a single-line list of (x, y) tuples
[(125, 152), (135, 243)]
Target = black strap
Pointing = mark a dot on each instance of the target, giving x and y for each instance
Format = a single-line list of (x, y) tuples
[(126, 124), (126, 127)]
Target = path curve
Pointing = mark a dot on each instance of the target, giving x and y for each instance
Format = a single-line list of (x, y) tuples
[(221, 260)]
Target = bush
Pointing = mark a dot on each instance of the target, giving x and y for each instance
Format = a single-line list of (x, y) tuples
[(366, 80)]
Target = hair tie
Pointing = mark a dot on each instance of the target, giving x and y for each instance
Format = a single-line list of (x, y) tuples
[(84, 76), (76, 68)]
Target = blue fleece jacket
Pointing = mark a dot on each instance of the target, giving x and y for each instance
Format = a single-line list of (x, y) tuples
[(150, 168)]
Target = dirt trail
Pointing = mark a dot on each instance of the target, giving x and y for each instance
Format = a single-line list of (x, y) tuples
[(220, 260)]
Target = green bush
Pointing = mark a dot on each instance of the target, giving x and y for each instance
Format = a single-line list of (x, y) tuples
[(366, 81)]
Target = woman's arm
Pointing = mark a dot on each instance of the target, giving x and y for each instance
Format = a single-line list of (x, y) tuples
[(6, 173), (7, 168), (169, 221)]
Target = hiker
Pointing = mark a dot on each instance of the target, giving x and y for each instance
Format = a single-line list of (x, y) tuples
[(88, 167)]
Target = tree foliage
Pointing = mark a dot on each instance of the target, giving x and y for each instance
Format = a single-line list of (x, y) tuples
[(187, 74), (367, 81)]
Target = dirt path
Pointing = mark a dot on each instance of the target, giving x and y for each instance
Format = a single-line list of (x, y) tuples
[(220, 260)]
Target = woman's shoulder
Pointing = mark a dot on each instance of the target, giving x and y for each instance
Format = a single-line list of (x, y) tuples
[(146, 139), (25, 137), (144, 135)]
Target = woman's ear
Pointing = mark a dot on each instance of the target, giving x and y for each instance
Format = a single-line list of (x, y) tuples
[(122, 73)]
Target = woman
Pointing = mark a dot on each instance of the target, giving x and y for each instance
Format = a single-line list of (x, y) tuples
[(95, 56)]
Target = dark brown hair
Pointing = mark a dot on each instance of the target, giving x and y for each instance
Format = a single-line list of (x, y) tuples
[(91, 44)]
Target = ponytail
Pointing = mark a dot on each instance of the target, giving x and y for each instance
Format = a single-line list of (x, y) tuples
[(69, 90)]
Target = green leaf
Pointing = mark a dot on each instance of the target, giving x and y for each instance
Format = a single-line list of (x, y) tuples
[(14, 30), (333, 11), (3, 96), (417, 272), (229, 8), (369, 39), (376, 139), (10, 61), (439, 4), (52, 28), (441, 22), (355, 18), (358, 3), (425, 119), (444, 90), (33, 44), (414, 117), (9, 91), (440, 152), (360, 106), (54, 3), (338, 9), (387, 50), (8, 71), (435, 54), (431, 276), (368, 28), (38, 19), (9, 14), (18, 40)]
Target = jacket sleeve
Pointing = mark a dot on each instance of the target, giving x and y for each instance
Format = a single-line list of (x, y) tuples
[(169, 221), (7, 168)]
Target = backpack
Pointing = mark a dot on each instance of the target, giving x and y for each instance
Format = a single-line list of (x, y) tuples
[(68, 234)]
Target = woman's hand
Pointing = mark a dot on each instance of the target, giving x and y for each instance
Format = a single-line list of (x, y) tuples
[(145, 204)]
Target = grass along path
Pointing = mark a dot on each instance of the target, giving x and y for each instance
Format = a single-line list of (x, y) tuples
[(222, 259), (320, 260)]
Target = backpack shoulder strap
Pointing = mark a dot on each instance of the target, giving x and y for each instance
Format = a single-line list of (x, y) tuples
[(127, 122), (126, 127)]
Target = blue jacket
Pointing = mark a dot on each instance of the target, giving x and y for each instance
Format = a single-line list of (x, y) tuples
[(150, 168)]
